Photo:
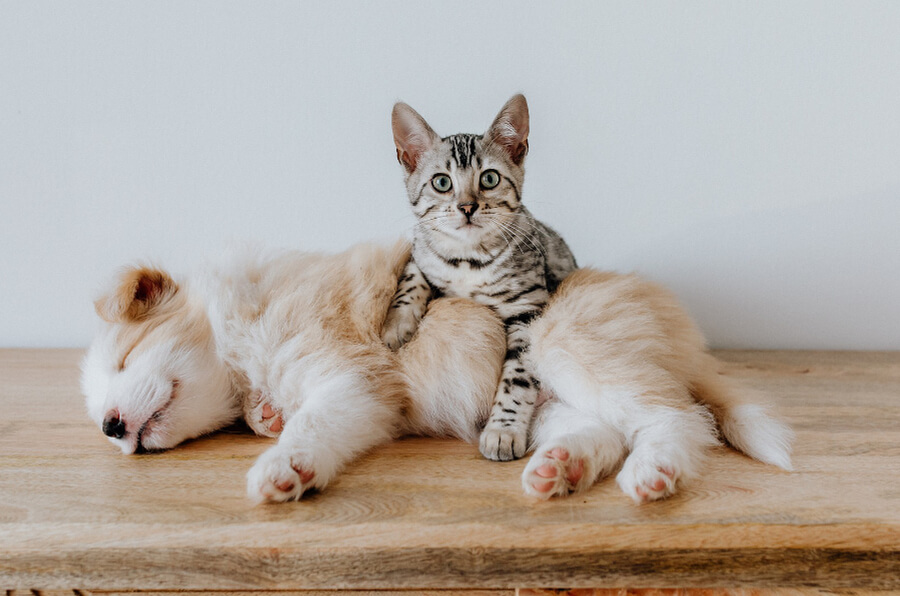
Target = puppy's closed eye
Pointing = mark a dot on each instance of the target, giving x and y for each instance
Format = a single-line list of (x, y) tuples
[(123, 362)]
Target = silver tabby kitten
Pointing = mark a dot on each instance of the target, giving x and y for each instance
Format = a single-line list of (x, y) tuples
[(474, 238)]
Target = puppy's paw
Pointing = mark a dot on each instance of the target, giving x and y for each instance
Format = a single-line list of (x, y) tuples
[(503, 443), (279, 476), (262, 416), (645, 478), (556, 471), (399, 327)]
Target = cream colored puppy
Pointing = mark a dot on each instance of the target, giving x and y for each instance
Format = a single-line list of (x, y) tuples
[(293, 342)]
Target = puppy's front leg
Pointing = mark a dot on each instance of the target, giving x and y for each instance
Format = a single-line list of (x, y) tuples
[(339, 419)]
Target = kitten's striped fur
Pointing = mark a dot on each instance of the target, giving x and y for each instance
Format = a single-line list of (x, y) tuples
[(474, 238)]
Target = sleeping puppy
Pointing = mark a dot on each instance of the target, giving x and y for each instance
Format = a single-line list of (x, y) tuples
[(293, 342)]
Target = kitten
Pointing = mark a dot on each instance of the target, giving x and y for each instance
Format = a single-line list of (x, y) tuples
[(475, 239)]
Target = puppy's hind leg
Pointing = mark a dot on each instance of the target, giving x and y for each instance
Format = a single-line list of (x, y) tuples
[(669, 446), (574, 450), (340, 418)]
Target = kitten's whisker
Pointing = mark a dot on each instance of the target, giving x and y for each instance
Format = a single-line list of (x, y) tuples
[(425, 223), (517, 234), (538, 246), (498, 219), (437, 217), (522, 233), (500, 229)]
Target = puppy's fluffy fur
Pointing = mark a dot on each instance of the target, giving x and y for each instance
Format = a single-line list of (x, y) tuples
[(292, 341), (631, 377), (298, 334)]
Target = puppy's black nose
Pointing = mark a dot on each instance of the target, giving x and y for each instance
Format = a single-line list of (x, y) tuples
[(113, 426), (468, 208)]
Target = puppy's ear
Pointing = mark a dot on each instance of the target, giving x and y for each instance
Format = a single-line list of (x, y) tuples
[(510, 129), (138, 292), (412, 135)]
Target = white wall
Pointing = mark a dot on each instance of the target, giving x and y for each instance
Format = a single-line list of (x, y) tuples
[(746, 154)]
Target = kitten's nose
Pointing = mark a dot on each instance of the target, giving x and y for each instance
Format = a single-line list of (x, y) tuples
[(113, 425), (468, 208)]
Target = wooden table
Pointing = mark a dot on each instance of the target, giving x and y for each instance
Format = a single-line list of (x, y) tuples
[(432, 514)]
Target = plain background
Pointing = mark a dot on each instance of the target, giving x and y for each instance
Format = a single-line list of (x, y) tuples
[(745, 154)]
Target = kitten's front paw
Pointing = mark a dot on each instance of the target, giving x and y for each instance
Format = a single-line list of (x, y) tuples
[(647, 479), (279, 476), (399, 327), (555, 471), (264, 418), (504, 443)]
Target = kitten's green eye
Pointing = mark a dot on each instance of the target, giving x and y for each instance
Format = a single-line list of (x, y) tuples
[(490, 179), (441, 183)]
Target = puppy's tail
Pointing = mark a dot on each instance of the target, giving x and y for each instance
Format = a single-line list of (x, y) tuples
[(748, 427), (452, 366)]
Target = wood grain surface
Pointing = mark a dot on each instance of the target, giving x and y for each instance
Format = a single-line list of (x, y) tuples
[(427, 514), (517, 592)]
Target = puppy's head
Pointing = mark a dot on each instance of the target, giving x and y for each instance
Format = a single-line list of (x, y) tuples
[(151, 376)]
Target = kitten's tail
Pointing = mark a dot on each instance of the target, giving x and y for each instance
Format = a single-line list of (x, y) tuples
[(748, 427)]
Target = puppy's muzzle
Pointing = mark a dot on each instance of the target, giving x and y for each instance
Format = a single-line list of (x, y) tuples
[(113, 425)]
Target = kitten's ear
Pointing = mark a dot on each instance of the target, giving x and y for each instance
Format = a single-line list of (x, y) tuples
[(510, 129), (137, 292), (412, 135)]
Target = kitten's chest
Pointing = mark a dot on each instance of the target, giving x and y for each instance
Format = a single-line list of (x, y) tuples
[(494, 284), (461, 280)]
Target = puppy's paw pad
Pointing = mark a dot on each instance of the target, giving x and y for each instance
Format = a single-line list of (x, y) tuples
[(262, 416), (306, 475), (276, 477), (553, 472), (272, 418), (646, 481), (502, 444)]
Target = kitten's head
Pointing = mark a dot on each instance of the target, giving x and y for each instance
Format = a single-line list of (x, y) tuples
[(465, 188)]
